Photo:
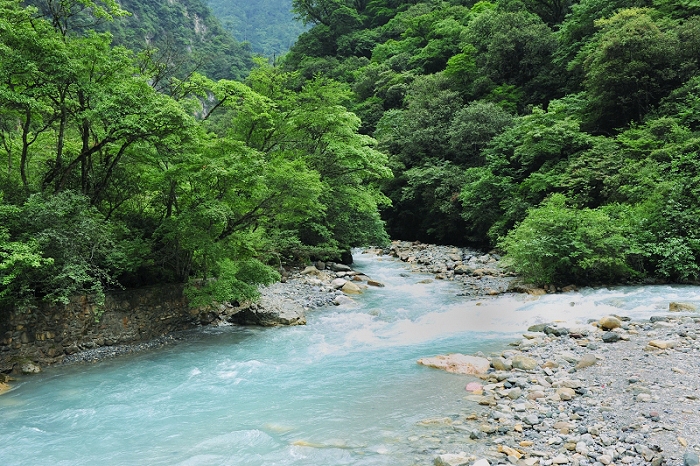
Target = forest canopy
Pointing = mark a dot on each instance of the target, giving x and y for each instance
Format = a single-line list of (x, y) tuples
[(115, 174), (564, 133)]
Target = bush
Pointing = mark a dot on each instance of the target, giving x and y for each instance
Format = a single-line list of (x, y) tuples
[(69, 249), (559, 244), (236, 281)]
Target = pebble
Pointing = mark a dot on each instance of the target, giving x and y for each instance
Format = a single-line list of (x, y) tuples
[(609, 413)]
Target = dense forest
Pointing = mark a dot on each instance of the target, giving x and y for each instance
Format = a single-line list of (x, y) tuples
[(564, 134), (183, 33), (267, 25), (116, 172)]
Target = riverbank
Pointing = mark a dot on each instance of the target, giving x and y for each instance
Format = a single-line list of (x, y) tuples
[(523, 410), (622, 392), (586, 396)]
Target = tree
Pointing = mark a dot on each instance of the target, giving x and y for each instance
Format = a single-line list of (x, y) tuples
[(629, 65)]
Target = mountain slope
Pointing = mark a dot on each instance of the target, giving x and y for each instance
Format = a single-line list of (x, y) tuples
[(268, 25)]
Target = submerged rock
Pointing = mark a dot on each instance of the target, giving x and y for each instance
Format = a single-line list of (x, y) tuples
[(678, 307)]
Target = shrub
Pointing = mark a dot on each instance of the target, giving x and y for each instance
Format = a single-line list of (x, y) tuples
[(559, 244)]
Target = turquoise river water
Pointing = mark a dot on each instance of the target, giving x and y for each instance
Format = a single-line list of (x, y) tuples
[(343, 390)]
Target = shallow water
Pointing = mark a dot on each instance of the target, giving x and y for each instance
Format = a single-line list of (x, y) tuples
[(343, 390)]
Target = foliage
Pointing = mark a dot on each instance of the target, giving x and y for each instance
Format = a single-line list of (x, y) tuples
[(267, 25), (558, 244), (118, 173), (236, 282)]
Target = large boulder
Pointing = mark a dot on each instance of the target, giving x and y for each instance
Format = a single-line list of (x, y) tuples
[(457, 363), (270, 312), (340, 268)]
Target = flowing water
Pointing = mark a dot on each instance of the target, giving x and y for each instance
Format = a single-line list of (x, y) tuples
[(343, 390)]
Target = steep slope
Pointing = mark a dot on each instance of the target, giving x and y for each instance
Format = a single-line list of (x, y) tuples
[(185, 26), (185, 32), (268, 25)]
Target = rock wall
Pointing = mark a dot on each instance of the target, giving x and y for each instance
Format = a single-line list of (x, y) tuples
[(46, 333)]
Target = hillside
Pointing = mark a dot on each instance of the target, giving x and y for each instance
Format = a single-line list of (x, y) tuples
[(267, 25), (185, 32), (564, 133)]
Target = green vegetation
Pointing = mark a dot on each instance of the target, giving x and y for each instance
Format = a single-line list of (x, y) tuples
[(108, 182), (565, 133), (267, 25), (181, 36)]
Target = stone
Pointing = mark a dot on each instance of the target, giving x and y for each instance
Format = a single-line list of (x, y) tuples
[(610, 337), (680, 307), (474, 387), (537, 328), (508, 451), (311, 270), (566, 393), (4, 388), (452, 459), (463, 269), (662, 344), (609, 323), (605, 459), (643, 398), (482, 462), (270, 312), (531, 419), (30, 368), (514, 393), (556, 331), (501, 364), (351, 288), (690, 458), (341, 300), (523, 362), (457, 363), (487, 428), (560, 459), (375, 283), (338, 283), (340, 268), (586, 360)]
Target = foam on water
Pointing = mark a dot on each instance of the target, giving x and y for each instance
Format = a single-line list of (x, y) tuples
[(344, 390)]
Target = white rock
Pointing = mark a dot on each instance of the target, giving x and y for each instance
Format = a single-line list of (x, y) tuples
[(452, 459), (458, 363), (338, 283)]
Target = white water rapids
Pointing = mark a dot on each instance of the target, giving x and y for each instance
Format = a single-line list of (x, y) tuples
[(343, 390)]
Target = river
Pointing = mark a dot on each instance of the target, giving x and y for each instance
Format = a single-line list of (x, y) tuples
[(343, 390)]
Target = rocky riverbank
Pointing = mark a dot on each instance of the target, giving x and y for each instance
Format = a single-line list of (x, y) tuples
[(611, 393), (479, 273)]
